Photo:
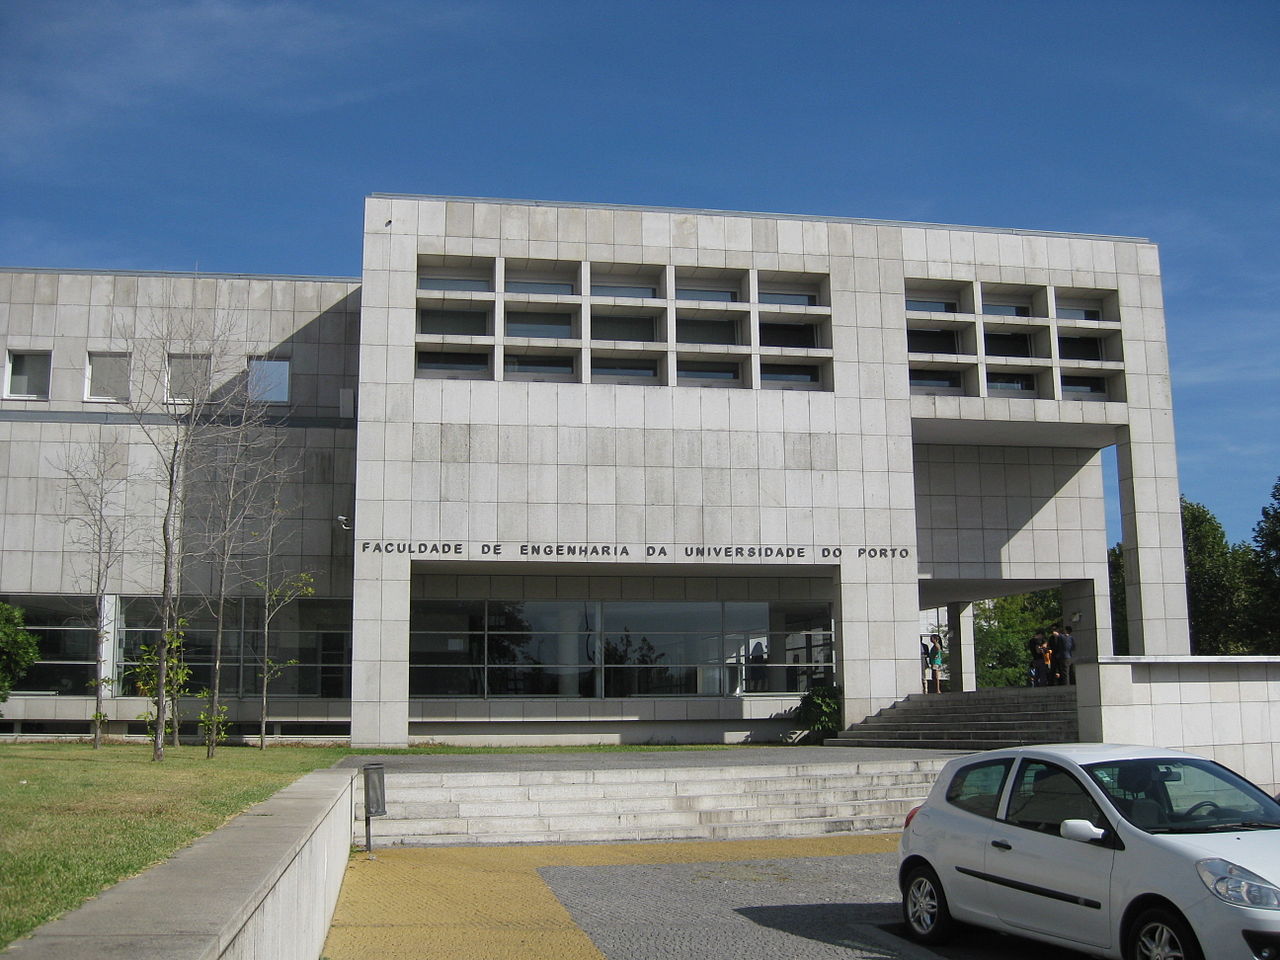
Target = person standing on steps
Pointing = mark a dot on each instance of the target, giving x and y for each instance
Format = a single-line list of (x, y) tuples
[(1066, 672), (935, 662), (1038, 649)]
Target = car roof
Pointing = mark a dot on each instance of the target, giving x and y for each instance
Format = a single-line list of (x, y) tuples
[(1086, 753)]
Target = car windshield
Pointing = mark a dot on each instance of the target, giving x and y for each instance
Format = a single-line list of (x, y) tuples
[(1184, 796)]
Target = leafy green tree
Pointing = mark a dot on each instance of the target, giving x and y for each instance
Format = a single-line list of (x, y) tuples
[(1001, 629), (1119, 601), (1217, 575), (1264, 578), (18, 648)]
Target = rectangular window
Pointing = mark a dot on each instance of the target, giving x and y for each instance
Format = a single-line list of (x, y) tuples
[(791, 299), (1006, 310), (1080, 348), (460, 323), (269, 380), (705, 373), (706, 331), (1020, 382), (788, 335), (188, 377), (1079, 313), (623, 328), (932, 306), (1084, 387), (539, 286), (935, 381), (538, 367), (456, 362), (426, 282), (108, 376), (623, 290), (791, 374), (705, 293), (29, 375), (932, 341), (556, 326), (1008, 345), (624, 370)]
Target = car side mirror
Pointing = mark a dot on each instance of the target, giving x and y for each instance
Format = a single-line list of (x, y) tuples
[(1081, 830)]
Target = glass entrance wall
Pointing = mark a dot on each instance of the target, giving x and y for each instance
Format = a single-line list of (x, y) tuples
[(618, 648)]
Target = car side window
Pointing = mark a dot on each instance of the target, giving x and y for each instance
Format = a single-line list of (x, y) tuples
[(1044, 795), (977, 787)]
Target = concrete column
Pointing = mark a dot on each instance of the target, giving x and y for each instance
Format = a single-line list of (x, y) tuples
[(960, 655), (1086, 609), (380, 651)]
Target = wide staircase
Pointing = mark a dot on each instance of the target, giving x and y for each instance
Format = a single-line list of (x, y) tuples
[(715, 800), (973, 720)]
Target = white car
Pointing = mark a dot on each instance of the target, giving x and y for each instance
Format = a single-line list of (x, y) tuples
[(1119, 851)]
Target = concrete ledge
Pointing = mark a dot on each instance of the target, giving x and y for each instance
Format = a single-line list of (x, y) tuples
[(263, 886)]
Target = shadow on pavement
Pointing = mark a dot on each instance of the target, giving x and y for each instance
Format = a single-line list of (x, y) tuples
[(852, 926), (975, 943)]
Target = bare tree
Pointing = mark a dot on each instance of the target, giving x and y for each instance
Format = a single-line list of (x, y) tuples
[(95, 476)]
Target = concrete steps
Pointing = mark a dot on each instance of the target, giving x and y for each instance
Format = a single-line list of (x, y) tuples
[(675, 803), (977, 720)]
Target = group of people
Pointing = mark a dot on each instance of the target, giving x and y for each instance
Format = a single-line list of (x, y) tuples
[(1051, 657)]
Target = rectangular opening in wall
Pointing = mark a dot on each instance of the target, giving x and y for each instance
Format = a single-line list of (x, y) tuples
[(453, 364), (457, 323), (542, 277), (632, 281), (635, 328), (1079, 303), (455, 273), (540, 366), (1011, 384), (711, 284), (791, 289), (1008, 344), (554, 326), (708, 330), (1081, 348), (932, 341), (804, 335), (925, 382), (705, 373), (1084, 388), (938, 296), (619, 369), (1079, 313), (29, 374), (1014, 300), (268, 380), (108, 377), (188, 378), (791, 376)]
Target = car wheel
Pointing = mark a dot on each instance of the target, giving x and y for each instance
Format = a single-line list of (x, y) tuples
[(924, 907), (1160, 934)]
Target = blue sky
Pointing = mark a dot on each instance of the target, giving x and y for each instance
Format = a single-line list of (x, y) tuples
[(242, 135)]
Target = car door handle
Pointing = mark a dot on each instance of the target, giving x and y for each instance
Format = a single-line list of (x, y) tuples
[(1002, 844)]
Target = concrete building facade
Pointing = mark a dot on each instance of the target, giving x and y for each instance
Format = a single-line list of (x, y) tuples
[(590, 473)]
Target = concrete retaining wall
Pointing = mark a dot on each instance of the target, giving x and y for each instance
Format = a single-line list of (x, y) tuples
[(1227, 708), (264, 886)]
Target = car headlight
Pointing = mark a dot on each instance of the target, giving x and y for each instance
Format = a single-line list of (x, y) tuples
[(1234, 884)]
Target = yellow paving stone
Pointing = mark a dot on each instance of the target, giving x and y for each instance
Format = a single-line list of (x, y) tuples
[(489, 902)]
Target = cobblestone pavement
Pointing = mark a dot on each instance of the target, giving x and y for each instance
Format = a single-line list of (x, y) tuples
[(806, 898)]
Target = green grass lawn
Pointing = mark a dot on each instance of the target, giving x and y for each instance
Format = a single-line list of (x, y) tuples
[(74, 820)]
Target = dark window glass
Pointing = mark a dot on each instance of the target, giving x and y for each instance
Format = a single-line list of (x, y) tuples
[(791, 372), (538, 366), (716, 372), (539, 286), (935, 379), (788, 335), (442, 360), (454, 283), (1008, 344), (1006, 310), (639, 329), (623, 290), (1087, 385), (706, 293), (1079, 313), (108, 376), (188, 377), (932, 341), (933, 306), (792, 299), (1011, 381), (465, 323), (706, 331), (541, 325), (977, 788), (609, 368), (1080, 348)]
